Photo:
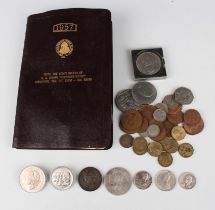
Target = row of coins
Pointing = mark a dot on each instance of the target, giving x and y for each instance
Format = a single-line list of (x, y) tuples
[(117, 181)]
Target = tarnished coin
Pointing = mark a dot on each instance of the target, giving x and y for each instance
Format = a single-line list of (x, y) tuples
[(142, 180), (118, 181), (144, 126), (183, 95), (165, 159), (144, 134), (126, 140), (148, 63), (176, 118), (155, 149), (168, 127), (194, 129), (162, 106), (170, 102), (159, 115), (165, 180), (144, 92), (124, 101), (147, 112), (169, 145), (62, 178), (153, 130), (185, 150), (140, 145), (32, 179), (90, 179), (192, 117), (187, 180), (178, 133)]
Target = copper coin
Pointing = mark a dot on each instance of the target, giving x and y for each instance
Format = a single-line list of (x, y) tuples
[(176, 118), (144, 126), (140, 145), (168, 126), (126, 140), (192, 117), (155, 149), (169, 145), (161, 136), (175, 110), (185, 150), (194, 129), (178, 133), (147, 111), (124, 130), (165, 159)]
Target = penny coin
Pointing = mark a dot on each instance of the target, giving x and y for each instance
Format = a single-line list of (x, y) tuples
[(178, 133), (124, 101), (62, 178), (142, 180), (187, 180), (118, 181), (194, 129), (185, 150), (183, 95), (144, 126), (170, 102), (162, 106), (148, 63), (165, 180), (126, 140), (169, 145), (147, 112), (153, 130), (161, 135), (176, 118), (168, 127), (144, 92), (159, 115), (192, 117), (140, 145), (155, 149), (32, 179), (90, 179), (165, 159)]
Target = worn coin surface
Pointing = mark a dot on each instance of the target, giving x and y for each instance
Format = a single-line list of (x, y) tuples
[(147, 112), (170, 102), (159, 115), (144, 126), (142, 180), (140, 145), (144, 92), (90, 179), (155, 149), (169, 145), (32, 179), (168, 127), (126, 140), (162, 106), (185, 150), (176, 118), (153, 130), (118, 181), (165, 180), (162, 134), (192, 117), (183, 95), (178, 133), (187, 180), (62, 178), (165, 159), (194, 129)]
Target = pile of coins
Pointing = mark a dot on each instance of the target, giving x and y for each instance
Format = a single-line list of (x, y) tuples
[(117, 181), (160, 126)]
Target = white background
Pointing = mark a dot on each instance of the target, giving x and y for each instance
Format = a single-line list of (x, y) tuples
[(186, 31)]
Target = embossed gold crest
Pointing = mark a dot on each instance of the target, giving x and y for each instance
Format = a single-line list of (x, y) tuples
[(64, 48)]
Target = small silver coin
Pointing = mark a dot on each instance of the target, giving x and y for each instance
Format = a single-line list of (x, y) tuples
[(144, 92), (153, 130), (118, 181), (165, 180), (32, 179), (159, 115), (187, 180), (124, 101), (162, 106), (183, 95), (148, 63), (62, 178), (142, 180), (170, 102)]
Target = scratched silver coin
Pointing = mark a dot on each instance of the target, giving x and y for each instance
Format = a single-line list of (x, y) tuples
[(162, 106), (62, 178), (32, 179), (142, 180), (183, 95), (159, 115), (187, 180), (153, 131), (118, 181), (165, 180)]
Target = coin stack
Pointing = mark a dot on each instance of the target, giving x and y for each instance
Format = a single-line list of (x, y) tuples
[(160, 126)]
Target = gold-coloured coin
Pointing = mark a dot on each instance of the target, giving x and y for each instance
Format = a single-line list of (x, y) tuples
[(155, 149), (178, 133), (169, 145), (140, 145), (185, 150), (165, 159)]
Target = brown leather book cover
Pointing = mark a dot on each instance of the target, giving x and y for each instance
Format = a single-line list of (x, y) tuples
[(65, 88)]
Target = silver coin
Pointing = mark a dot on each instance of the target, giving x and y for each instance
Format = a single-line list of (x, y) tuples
[(187, 180), (32, 179), (144, 92), (162, 106), (170, 102), (142, 180), (165, 180), (148, 63), (118, 181), (153, 130), (159, 115), (183, 95), (62, 178), (124, 101)]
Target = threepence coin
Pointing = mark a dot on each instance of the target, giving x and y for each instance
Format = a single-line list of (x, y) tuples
[(187, 180), (185, 150), (165, 159), (170, 145), (178, 133), (183, 95), (155, 149), (142, 180), (140, 145)]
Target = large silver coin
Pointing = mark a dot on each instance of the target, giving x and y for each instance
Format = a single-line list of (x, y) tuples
[(118, 181), (62, 178), (142, 180), (148, 63), (124, 101), (165, 180), (187, 180), (183, 95), (32, 179), (144, 92)]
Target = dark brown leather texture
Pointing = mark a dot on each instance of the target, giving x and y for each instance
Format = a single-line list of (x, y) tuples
[(66, 81)]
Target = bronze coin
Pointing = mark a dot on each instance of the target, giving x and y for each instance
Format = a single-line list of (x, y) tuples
[(144, 126), (165, 159), (185, 150), (147, 111), (194, 129), (126, 140), (169, 145), (155, 149), (176, 118), (168, 126), (162, 134), (178, 133), (192, 117), (140, 145), (124, 130)]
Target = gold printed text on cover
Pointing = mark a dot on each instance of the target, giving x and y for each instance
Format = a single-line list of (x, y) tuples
[(65, 27)]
